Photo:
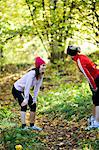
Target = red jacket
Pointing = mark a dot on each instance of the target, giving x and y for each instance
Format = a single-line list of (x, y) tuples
[(88, 68)]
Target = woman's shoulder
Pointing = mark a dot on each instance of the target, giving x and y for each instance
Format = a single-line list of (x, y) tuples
[(82, 57), (32, 72)]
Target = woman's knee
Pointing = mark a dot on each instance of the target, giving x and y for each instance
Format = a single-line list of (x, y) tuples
[(24, 108)]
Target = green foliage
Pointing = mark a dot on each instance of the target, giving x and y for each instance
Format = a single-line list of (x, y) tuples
[(69, 99), (55, 24), (6, 118), (11, 135), (94, 56), (28, 139), (5, 113)]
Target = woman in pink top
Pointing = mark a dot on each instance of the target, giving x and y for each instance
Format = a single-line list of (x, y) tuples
[(21, 91)]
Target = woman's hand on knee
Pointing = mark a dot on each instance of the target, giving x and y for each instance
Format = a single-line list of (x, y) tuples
[(25, 102)]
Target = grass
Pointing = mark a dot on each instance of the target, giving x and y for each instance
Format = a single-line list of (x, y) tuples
[(15, 136)]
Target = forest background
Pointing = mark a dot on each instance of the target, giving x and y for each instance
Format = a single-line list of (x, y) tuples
[(29, 28)]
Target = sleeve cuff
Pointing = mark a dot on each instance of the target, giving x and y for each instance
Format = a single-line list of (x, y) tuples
[(34, 99)]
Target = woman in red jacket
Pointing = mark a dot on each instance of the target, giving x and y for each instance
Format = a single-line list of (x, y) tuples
[(88, 68)]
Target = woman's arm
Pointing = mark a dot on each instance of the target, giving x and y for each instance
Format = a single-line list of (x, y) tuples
[(36, 89), (28, 84)]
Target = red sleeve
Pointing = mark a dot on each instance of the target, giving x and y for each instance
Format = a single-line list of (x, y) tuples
[(87, 74)]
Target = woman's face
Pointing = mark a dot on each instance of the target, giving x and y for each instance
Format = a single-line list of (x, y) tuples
[(42, 68)]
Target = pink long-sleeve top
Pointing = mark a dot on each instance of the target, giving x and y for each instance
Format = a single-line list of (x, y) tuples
[(28, 81)]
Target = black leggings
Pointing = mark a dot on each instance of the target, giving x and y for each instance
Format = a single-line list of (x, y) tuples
[(18, 95), (95, 95)]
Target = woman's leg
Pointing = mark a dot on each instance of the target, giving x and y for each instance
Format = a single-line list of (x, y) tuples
[(94, 111), (96, 98), (97, 114), (33, 114), (19, 96), (32, 110), (32, 118)]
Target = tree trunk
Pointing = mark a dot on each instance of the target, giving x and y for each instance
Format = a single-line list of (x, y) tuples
[(1, 59), (55, 56)]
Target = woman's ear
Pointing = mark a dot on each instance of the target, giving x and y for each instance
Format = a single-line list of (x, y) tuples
[(79, 49)]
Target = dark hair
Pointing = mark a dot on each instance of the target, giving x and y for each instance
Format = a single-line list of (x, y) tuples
[(36, 71), (72, 50)]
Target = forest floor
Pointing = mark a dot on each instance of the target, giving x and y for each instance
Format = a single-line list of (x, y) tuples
[(63, 108)]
